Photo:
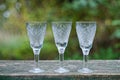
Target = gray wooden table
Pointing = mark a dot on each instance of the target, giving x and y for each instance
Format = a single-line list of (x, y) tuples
[(18, 70)]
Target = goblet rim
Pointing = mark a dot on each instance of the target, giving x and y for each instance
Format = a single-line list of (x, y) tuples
[(36, 22), (61, 21), (86, 22)]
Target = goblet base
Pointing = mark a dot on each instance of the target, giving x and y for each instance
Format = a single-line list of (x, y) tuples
[(36, 70), (62, 70), (85, 70)]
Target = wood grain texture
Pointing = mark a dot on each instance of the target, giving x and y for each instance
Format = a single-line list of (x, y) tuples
[(18, 70)]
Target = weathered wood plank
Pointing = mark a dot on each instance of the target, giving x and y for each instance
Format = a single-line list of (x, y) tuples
[(18, 70)]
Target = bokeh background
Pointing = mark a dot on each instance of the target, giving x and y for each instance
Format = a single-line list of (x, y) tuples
[(14, 43)]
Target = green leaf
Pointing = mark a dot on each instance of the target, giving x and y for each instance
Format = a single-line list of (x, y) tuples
[(115, 22), (116, 34)]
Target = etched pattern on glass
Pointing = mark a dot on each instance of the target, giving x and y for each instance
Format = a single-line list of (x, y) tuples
[(86, 33), (61, 33), (36, 34)]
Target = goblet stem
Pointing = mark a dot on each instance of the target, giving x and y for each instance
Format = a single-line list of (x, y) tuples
[(85, 57), (61, 59), (36, 58), (36, 69), (85, 61), (61, 69), (85, 68)]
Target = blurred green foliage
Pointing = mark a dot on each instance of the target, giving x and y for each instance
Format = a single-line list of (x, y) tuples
[(14, 43)]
